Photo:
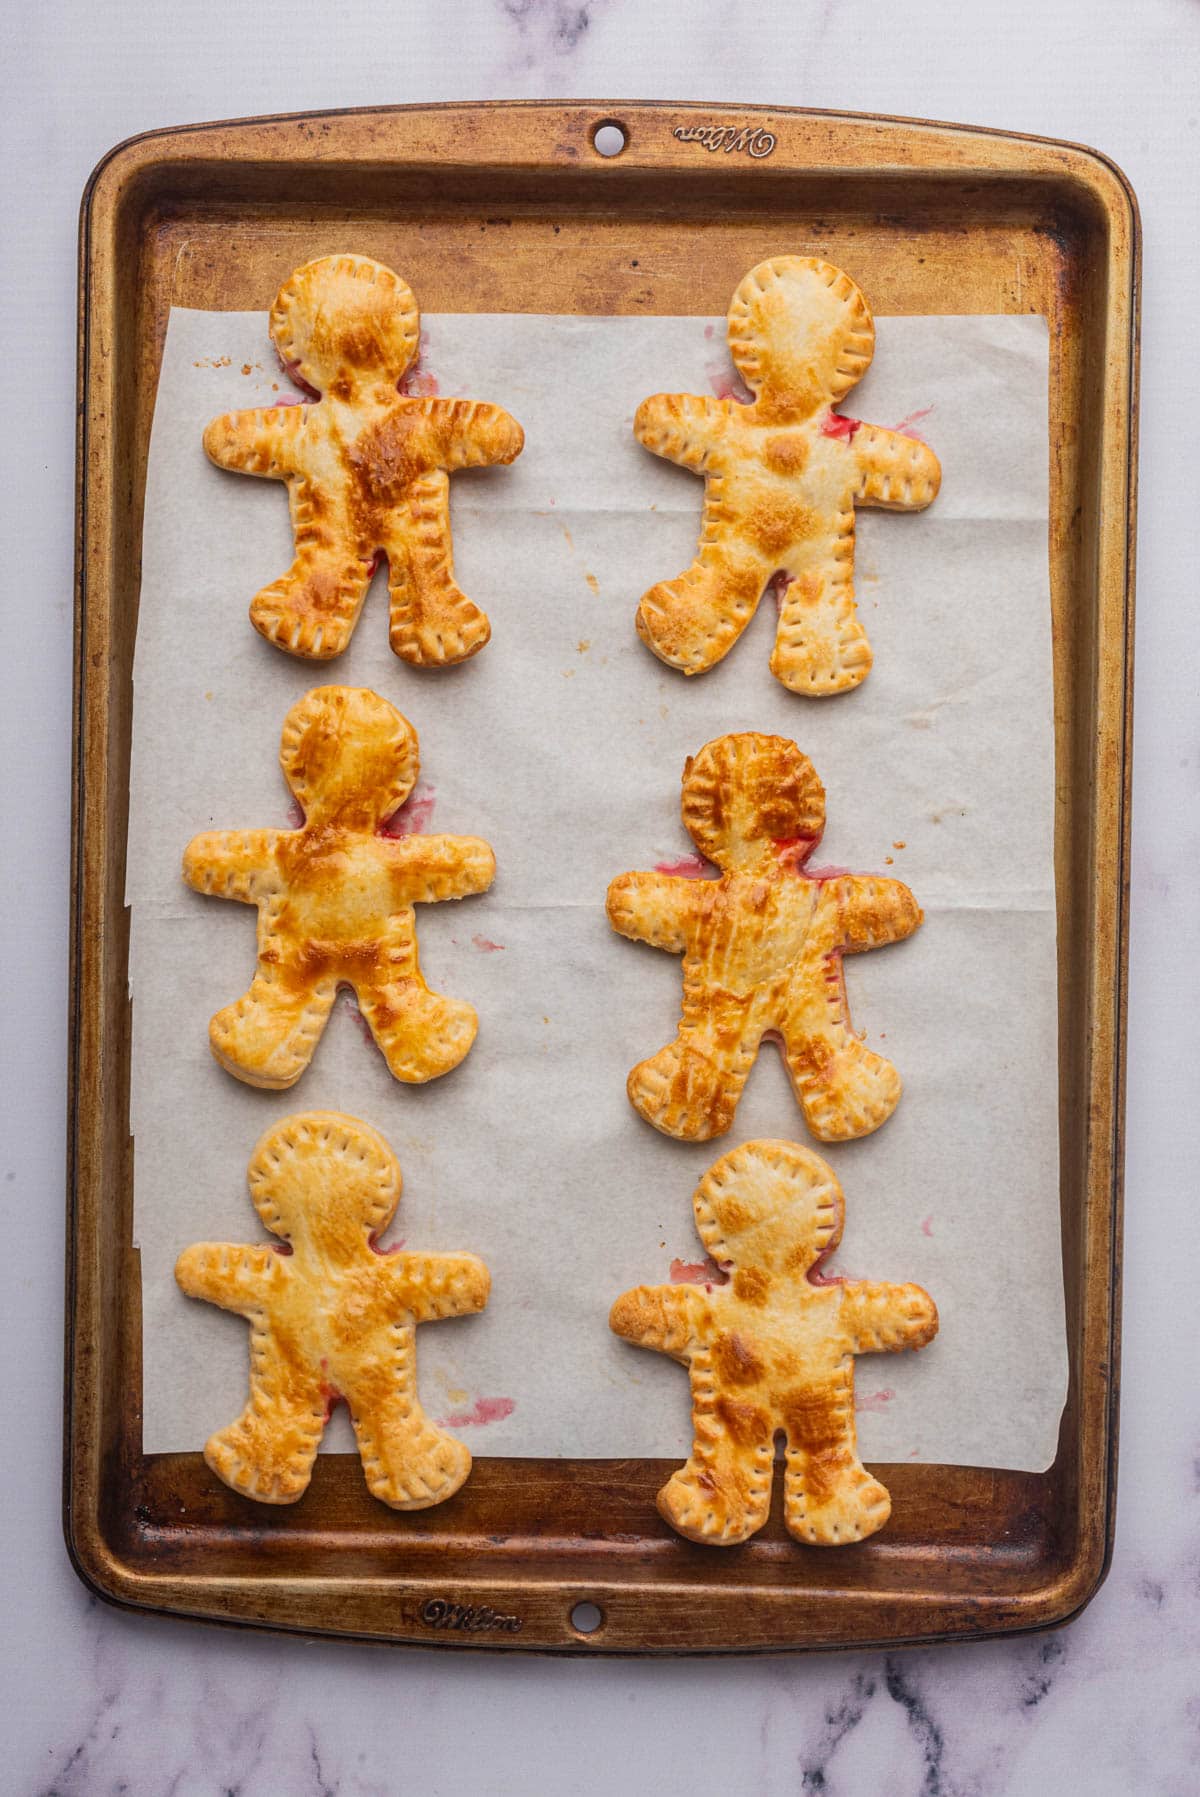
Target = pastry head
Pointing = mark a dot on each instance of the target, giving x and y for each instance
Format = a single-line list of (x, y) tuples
[(348, 756), (744, 793), (769, 1207), (345, 322), (800, 333), (324, 1182)]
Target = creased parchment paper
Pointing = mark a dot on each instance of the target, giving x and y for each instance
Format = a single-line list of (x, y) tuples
[(563, 743)]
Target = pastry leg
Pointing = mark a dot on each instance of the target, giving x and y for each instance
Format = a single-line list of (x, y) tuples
[(691, 1088), (691, 622), (844, 1089), (421, 1034), (313, 608), (723, 1494), (267, 1037), (268, 1452), (433, 623), (829, 1496), (408, 1462), (820, 646)]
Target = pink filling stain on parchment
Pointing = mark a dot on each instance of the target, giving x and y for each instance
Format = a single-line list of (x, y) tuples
[(417, 382), (837, 424), (874, 1400), (305, 395), (816, 1274), (487, 947), (823, 870), (777, 586), (727, 383), (704, 1272), (485, 1410), (392, 1247), (412, 819), (927, 1225), (348, 1000), (793, 852), (687, 867), (907, 427)]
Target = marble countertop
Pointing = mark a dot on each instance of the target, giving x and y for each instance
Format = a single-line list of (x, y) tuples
[(98, 1701)]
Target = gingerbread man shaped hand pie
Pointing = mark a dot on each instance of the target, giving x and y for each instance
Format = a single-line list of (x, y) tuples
[(773, 1350), (335, 899), (782, 479), (762, 949), (332, 1316), (367, 469)]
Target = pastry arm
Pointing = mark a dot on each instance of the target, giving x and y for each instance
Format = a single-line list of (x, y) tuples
[(433, 1286), (654, 908), (476, 434), (679, 426), (882, 1318), (226, 1273), (871, 911), (441, 867), (898, 473), (668, 1318), (256, 442), (230, 863)]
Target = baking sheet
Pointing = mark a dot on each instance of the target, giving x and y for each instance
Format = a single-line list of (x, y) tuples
[(562, 744)]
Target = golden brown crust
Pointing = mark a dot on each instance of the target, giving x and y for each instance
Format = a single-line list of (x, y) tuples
[(782, 478), (366, 469), (773, 1352), (762, 947), (333, 1317), (335, 900)]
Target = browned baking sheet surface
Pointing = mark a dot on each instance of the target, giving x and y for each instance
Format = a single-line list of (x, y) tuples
[(513, 211)]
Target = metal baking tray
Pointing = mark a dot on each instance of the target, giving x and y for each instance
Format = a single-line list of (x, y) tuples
[(511, 207)]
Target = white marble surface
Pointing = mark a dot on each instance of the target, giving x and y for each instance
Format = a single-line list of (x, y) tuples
[(99, 1702)]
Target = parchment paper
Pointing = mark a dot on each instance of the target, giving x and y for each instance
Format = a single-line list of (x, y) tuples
[(563, 744)]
